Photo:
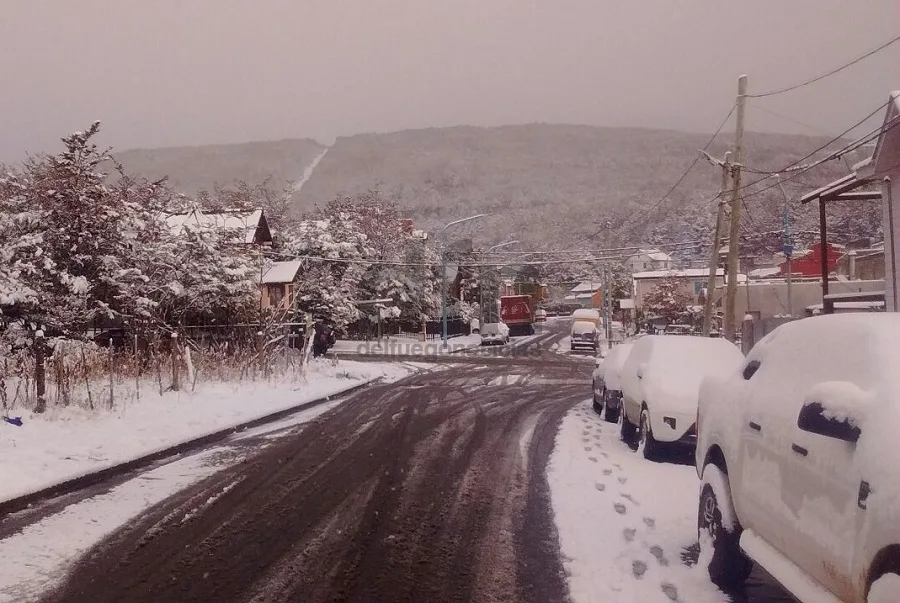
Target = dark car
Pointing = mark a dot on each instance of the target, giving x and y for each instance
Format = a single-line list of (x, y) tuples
[(607, 384)]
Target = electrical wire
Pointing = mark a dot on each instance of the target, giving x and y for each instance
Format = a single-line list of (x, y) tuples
[(674, 186), (826, 74)]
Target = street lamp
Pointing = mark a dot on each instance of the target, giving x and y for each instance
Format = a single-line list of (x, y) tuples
[(481, 285), (444, 271), (788, 246)]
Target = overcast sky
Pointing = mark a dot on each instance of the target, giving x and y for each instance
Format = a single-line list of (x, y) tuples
[(174, 72)]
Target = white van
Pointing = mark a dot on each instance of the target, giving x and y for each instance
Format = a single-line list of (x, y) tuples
[(585, 336), (588, 314)]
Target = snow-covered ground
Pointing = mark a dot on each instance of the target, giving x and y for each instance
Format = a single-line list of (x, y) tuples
[(405, 346), (69, 442), (623, 521)]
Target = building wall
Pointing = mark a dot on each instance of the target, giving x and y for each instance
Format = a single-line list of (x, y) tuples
[(891, 203), (768, 299)]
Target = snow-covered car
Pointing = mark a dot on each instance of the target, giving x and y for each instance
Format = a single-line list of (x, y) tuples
[(660, 385), (797, 451), (607, 382), (540, 315), (494, 333), (584, 336)]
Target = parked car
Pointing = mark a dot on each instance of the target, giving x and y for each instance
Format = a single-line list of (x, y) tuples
[(797, 451), (494, 333), (678, 330), (474, 326), (660, 386), (584, 336), (540, 315), (607, 382)]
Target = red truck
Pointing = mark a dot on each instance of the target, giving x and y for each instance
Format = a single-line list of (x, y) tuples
[(517, 311)]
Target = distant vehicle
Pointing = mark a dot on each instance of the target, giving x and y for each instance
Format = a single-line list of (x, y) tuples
[(584, 336), (474, 326), (517, 311), (678, 330), (540, 315), (608, 382), (588, 314), (494, 333), (660, 386), (797, 451)]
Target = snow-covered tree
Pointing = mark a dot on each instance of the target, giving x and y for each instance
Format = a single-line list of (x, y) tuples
[(333, 253), (668, 299)]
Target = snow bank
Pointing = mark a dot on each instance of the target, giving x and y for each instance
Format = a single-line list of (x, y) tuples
[(623, 522), (66, 443)]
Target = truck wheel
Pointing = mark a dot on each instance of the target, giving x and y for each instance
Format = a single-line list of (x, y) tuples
[(728, 565), (626, 429), (646, 443)]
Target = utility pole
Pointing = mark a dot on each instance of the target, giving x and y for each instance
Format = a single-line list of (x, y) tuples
[(607, 304), (716, 243), (735, 231)]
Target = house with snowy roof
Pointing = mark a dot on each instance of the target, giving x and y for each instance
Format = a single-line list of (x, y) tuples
[(278, 285), (245, 227), (587, 294), (649, 259)]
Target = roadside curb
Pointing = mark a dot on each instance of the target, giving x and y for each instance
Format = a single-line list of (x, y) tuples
[(74, 484)]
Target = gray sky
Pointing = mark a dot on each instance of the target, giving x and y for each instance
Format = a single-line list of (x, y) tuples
[(172, 72)]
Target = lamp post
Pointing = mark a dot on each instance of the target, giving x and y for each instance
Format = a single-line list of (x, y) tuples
[(788, 246), (444, 271), (481, 286)]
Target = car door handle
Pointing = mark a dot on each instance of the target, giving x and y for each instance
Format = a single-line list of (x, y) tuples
[(755, 426), (799, 450)]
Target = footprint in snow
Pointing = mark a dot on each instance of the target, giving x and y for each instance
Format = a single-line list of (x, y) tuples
[(592, 459), (607, 472), (670, 591), (629, 498), (604, 455), (585, 440), (657, 552), (638, 568), (617, 466), (587, 448), (620, 508), (649, 522), (622, 480), (600, 487), (628, 534)]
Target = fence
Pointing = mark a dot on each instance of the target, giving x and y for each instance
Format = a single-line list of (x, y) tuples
[(62, 372)]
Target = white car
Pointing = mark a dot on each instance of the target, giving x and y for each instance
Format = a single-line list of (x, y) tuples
[(494, 333), (660, 385), (608, 382), (584, 336), (798, 452)]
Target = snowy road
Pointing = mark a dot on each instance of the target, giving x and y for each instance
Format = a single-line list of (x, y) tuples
[(435, 488)]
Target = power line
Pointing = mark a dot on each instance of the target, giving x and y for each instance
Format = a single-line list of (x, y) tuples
[(827, 73), (677, 182), (791, 119)]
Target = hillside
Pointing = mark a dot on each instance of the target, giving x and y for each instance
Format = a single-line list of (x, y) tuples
[(555, 184), (544, 185), (191, 169)]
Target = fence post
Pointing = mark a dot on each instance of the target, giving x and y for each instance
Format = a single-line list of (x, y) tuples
[(174, 352), (112, 374), (39, 375), (260, 352)]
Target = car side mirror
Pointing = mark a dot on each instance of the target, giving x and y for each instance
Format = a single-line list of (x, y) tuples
[(815, 418)]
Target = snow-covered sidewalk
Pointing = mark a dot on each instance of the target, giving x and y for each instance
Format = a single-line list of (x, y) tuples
[(66, 443), (623, 521), (405, 346)]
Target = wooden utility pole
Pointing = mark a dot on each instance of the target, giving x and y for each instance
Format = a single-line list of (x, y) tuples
[(735, 231), (716, 243)]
